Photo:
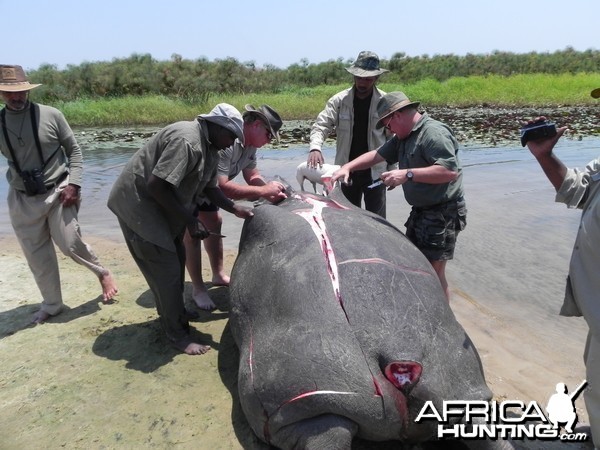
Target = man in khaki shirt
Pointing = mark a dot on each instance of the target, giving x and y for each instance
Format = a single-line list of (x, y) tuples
[(580, 188)]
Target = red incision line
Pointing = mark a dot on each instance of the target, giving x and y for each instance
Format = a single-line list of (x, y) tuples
[(314, 217)]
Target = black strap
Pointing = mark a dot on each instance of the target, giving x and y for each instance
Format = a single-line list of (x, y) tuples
[(32, 107)]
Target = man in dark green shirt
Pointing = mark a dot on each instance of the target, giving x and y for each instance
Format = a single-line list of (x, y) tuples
[(430, 174)]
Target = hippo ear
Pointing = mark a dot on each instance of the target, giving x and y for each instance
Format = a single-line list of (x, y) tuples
[(403, 374)]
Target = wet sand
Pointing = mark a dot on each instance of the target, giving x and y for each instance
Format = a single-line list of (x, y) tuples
[(102, 376)]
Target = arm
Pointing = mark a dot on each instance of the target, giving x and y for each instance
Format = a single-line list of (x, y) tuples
[(164, 194), (364, 161), (217, 197), (256, 188), (70, 194), (434, 174), (321, 129)]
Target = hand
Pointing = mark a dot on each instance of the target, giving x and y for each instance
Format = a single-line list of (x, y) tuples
[(394, 178), (243, 212), (342, 173), (543, 147), (274, 192), (315, 158), (197, 229), (69, 196)]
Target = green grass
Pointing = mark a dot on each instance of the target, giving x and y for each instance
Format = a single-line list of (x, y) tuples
[(306, 103)]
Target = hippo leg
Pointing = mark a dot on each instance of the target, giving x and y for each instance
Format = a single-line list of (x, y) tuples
[(326, 432)]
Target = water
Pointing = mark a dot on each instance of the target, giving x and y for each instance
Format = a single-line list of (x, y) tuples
[(103, 162)]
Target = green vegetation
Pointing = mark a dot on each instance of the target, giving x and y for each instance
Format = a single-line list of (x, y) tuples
[(305, 103), (141, 90)]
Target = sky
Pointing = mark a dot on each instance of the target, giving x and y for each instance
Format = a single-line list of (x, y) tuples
[(281, 33)]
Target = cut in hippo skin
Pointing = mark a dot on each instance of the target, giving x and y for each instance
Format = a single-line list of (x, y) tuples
[(343, 328)]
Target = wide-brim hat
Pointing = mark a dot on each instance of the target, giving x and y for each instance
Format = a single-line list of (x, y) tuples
[(392, 102), (595, 93), (13, 79), (366, 65), (227, 116), (268, 116)]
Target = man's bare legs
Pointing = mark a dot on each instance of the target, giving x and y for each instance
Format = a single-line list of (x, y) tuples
[(193, 264), (440, 270), (214, 247)]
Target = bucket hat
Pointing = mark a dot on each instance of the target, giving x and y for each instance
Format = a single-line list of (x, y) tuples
[(13, 79), (227, 116), (390, 103), (268, 116), (366, 65), (595, 93)]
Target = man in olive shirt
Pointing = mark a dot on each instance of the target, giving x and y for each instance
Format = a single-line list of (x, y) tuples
[(153, 199), (45, 167), (429, 172)]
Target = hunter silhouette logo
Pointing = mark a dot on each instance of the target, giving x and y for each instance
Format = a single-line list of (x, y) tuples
[(561, 406)]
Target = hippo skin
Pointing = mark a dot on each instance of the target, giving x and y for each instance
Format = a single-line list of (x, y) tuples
[(343, 328)]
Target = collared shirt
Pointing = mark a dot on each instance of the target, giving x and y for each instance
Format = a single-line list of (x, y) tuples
[(60, 149), (430, 142), (236, 158), (581, 189), (339, 115), (179, 154)]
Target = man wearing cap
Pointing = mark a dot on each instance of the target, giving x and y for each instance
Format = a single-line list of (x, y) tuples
[(153, 199), (353, 115), (261, 125), (44, 174), (580, 188), (430, 174)]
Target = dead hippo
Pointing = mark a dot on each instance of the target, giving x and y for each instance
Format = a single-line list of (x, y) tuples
[(343, 328)]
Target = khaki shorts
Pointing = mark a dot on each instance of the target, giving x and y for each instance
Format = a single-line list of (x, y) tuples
[(434, 229)]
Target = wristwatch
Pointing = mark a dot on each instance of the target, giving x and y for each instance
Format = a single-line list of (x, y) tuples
[(409, 175)]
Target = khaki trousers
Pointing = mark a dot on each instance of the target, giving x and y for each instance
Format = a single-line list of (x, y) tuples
[(38, 221)]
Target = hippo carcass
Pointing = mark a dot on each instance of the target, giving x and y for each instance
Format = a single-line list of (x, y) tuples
[(343, 328)]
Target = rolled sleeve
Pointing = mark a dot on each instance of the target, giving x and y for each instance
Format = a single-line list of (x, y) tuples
[(573, 188)]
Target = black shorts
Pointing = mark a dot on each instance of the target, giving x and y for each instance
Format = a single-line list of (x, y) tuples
[(434, 229), (206, 207)]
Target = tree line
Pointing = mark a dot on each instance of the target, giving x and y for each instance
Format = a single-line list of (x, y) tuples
[(195, 80)]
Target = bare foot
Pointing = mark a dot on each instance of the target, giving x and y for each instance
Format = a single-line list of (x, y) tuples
[(109, 287), (221, 280), (191, 348), (202, 299), (40, 317)]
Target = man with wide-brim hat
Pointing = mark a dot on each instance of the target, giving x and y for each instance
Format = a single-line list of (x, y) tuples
[(352, 115), (154, 198), (429, 172), (580, 188), (44, 174), (261, 126)]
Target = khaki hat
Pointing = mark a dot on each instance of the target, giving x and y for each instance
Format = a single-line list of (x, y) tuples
[(268, 116), (595, 93), (13, 79), (390, 103), (226, 116), (366, 65)]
